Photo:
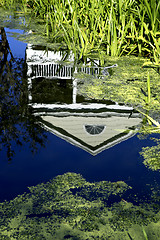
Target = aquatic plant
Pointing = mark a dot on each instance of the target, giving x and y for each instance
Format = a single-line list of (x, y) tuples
[(151, 121), (144, 232), (151, 155), (70, 207), (116, 27), (129, 83)]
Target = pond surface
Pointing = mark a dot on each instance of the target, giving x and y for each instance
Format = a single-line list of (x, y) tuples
[(49, 128), (76, 160)]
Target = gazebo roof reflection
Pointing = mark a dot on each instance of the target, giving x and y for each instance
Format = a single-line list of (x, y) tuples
[(91, 125)]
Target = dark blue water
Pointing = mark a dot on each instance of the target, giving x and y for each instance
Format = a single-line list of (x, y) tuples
[(121, 162)]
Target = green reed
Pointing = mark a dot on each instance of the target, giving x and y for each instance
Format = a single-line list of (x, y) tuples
[(117, 27), (144, 233), (149, 36), (149, 89)]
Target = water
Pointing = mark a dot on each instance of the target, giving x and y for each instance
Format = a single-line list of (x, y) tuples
[(71, 135)]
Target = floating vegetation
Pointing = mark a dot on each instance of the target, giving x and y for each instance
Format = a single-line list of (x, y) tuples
[(69, 207), (151, 155), (126, 83), (131, 84)]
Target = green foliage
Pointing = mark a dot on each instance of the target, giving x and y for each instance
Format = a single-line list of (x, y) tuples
[(117, 27)]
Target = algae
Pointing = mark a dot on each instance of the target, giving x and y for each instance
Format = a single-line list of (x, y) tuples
[(127, 83), (69, 207), (151, 155)]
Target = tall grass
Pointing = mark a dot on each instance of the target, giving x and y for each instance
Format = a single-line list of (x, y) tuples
[(146, 29), (115, 26)]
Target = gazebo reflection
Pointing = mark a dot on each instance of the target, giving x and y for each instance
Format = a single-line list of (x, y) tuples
[(91, 125)]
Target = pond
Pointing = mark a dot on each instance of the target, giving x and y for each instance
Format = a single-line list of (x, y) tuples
[(51, 129)]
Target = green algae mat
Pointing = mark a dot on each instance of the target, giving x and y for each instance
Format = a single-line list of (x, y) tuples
[(69, 207), (126, 83)]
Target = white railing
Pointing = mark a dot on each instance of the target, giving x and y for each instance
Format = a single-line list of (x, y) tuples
[(51, 71), (58, 71)]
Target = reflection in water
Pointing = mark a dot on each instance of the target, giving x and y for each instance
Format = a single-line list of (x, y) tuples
[(17, 125), (69, 207), (53, 94)]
